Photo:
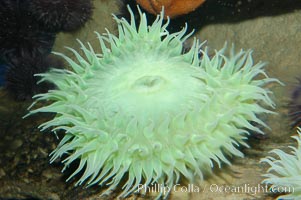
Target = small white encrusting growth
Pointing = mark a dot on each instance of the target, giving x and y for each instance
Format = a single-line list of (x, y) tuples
[(284, 174), (145, 112)]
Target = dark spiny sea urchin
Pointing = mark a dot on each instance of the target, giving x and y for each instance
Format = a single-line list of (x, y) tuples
[(145, 112), (20, 33), (61, 15), (20, 79)]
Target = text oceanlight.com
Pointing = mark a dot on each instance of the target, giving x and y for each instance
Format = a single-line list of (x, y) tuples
[(215, 188)]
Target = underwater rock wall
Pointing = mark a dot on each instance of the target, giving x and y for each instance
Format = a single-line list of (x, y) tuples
[(275, 39)]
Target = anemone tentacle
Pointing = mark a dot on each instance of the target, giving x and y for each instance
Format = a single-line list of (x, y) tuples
[(284, 174)]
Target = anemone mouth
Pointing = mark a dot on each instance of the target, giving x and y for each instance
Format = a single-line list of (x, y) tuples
[(148, 90), (149, 84)]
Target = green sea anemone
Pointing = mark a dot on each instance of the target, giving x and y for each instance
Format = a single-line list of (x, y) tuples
[(148, 113), (284, 175)]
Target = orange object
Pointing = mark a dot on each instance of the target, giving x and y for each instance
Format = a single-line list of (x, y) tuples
[(172, 8)]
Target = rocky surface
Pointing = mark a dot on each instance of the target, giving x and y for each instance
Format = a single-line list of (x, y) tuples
[(25, 172)]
